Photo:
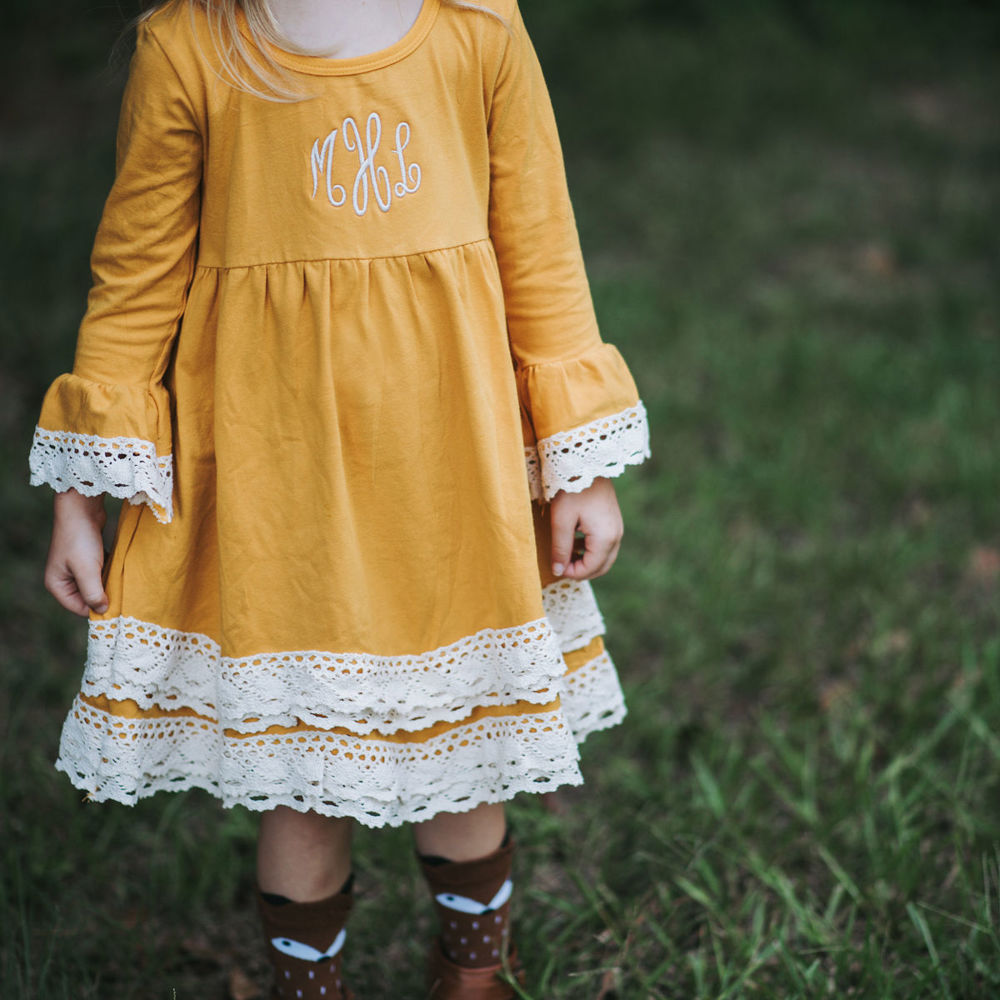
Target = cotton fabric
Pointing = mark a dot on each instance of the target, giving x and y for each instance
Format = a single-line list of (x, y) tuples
[(323, 340)]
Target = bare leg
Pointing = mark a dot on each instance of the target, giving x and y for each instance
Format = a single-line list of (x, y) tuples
[(462, 836), (303, 856)]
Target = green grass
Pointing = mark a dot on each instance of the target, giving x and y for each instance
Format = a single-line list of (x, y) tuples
[(790, 219)]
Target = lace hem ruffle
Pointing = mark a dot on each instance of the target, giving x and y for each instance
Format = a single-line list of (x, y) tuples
[(592, 697), (128, 468), (572, 611), (573, 459), (375, 781), (166, 668)]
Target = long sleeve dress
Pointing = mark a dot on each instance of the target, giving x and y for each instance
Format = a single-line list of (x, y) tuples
[(324, 340)]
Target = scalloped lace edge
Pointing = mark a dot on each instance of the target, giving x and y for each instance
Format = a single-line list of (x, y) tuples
[(152, 665), (127, 468), (573, 459), (592, 697), (377, 782), (168, 668), (572, 611)]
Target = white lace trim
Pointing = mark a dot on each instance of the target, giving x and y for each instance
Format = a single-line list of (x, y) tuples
[(376, 781), (128, 468), (592, 697), (128, 658), (573, 459), (573, 613)]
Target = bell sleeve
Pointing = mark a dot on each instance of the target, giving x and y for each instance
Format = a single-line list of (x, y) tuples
[(106, 426), (581, 412)]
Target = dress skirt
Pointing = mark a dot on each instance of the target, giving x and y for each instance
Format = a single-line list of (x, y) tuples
[(338, 357)]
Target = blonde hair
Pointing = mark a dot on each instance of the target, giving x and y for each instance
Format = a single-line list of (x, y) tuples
[(249, 65)]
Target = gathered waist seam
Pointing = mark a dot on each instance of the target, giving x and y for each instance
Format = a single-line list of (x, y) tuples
[(323, 260)]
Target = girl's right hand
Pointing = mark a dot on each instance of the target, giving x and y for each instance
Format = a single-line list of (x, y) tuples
[(76, 555)]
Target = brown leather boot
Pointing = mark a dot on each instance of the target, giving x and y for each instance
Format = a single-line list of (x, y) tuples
[(448, 981), (472, 899), (304, 943)]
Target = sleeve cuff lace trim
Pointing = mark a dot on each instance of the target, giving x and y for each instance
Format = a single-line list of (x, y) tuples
[(573, 459), (127, 468)]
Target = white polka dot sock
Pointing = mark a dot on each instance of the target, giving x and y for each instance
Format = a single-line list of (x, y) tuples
[(305, 944), (472, 899)]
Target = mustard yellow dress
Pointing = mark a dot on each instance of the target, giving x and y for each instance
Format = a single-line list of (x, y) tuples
[(324, 342)]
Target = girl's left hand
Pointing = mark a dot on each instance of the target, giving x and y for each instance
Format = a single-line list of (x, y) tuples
[(594, 513)]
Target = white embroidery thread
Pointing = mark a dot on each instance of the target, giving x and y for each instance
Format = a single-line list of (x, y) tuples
[(371, 178), (366, 164), (321, 161), (408, 173)]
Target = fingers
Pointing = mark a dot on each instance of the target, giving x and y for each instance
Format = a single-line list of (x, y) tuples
[(89, 586), (564, 517), (65, 591), (599, 555), (77, 588), (76, 557), (593, 512)]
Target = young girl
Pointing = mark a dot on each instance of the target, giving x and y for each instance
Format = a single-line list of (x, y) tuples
[(338, 304)]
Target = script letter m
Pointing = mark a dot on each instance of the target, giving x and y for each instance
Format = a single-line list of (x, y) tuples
[(321, 162)]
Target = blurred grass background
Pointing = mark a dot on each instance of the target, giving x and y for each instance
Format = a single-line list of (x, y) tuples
[(790, 215)]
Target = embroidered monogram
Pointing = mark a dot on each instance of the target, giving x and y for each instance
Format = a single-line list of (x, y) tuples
[(372, 181)]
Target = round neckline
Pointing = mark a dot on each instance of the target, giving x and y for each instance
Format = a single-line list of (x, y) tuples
[(324, 66)]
